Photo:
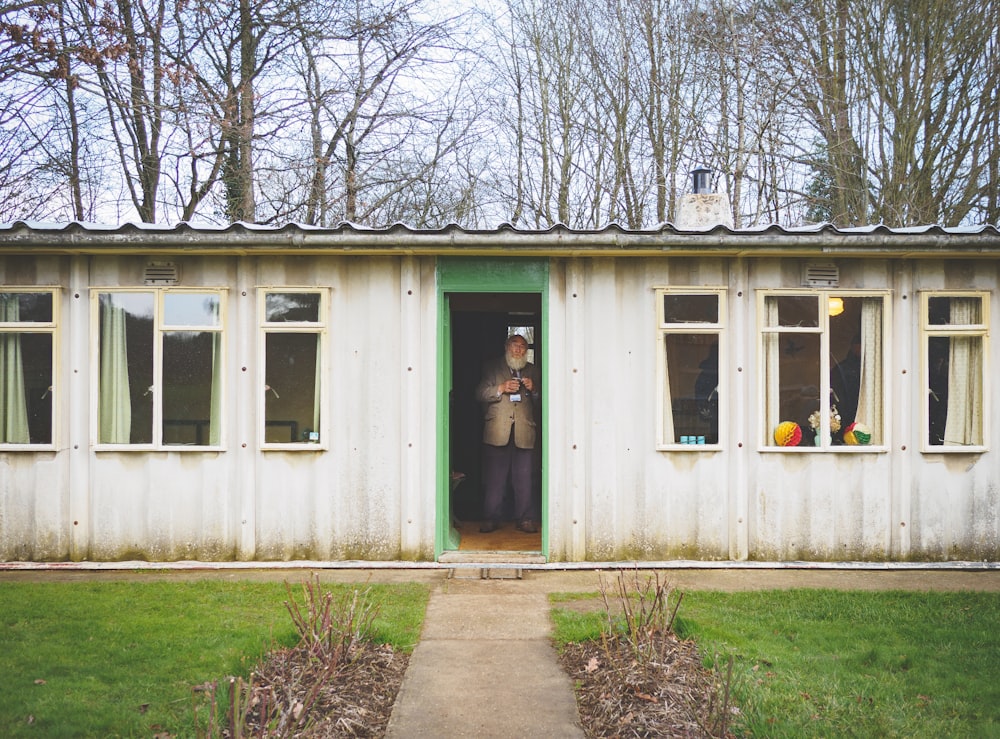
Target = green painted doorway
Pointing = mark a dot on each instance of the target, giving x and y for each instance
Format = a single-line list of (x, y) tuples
[(480, 301)]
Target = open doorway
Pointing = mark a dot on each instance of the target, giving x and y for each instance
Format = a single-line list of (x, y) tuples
[(480, 324)]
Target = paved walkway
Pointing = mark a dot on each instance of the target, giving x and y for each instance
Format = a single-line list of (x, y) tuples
[(485, 667)]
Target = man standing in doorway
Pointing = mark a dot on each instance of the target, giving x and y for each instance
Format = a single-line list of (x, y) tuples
[(509, 390)]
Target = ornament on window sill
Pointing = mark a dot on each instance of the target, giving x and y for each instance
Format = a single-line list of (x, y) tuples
[(787, 433), (814, 421), (857, 433)]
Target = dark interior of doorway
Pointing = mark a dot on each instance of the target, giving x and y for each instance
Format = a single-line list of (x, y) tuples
[(480, 324)]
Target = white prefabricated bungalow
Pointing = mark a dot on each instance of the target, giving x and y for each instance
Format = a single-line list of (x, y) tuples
[(257, 393)]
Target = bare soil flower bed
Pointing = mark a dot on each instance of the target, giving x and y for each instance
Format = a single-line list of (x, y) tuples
[(666, 694), (354, 701), (672, 695)]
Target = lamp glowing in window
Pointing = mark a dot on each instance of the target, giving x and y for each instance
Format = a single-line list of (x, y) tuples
[(836, 306)]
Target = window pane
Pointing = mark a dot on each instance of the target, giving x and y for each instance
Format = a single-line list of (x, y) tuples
[(954, 311), (297, 307), (25, 388), (792, 310), (191, 378), (26, 307), (856, 368), (690, 308), (792, 382), (955, 390), (291, 407), (693, 376), (126, 368), (191, 309)]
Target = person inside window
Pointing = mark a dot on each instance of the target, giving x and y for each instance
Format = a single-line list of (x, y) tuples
[(845, 381)]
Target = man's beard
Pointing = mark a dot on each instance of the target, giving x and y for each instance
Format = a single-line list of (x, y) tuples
[(517, 363)]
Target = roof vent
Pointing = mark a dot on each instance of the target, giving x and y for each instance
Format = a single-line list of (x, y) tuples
[(821, 275), (161, 273), (701, 181)]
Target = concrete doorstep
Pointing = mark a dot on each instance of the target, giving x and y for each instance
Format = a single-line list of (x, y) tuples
[(484, 667)]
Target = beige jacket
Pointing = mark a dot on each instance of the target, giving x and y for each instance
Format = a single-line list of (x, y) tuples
[(500, 412)]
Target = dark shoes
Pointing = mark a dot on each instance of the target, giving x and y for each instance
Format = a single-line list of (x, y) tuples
[(488, 527), (528, 527)]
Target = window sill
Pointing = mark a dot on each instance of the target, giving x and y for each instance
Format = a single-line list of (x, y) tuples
[(132, 448), (306, 447), (954, 449), (824, 450), (689, 448), (4, 448)]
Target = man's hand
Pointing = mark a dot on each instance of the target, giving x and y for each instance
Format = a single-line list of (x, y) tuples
[(511, 386)]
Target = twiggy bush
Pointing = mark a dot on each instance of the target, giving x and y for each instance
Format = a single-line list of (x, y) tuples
[(327, 627), (279, 697), (641, 611), (645, 608)]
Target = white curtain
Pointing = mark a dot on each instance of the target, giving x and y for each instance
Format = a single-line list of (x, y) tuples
[(13, 403), (215, 420), (870, 394), (772, 378), (115, 398), (964, 425)]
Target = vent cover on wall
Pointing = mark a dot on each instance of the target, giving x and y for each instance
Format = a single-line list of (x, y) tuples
[(161, 273), (821, 275)]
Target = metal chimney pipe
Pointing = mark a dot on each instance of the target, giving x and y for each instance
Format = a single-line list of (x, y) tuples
[(701, 181)]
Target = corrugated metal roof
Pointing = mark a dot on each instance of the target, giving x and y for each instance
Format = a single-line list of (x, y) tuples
[(612, 240)]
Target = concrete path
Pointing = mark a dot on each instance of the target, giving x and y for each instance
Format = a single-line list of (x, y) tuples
[(484, 667)]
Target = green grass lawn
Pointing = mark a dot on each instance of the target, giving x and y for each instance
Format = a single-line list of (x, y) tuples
[(816, 663), (119, 659)]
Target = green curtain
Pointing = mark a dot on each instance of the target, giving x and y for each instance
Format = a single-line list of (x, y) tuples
[(115, 400), (13, 403)]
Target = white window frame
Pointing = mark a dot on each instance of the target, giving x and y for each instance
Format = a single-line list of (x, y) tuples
[(319, 327), (159, 328), (765, 439), (664, 329), (928, 331), (39, 327)]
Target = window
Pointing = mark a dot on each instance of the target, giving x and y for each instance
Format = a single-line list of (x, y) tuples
[(690, 329), (294, 326), (954, 335), (159, 367), (27, 330), (823, 369)]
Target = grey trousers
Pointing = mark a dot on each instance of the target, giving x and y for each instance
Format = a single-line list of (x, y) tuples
[(503, 463)]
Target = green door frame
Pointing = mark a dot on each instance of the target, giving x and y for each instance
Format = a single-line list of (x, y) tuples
[(481, 275)]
